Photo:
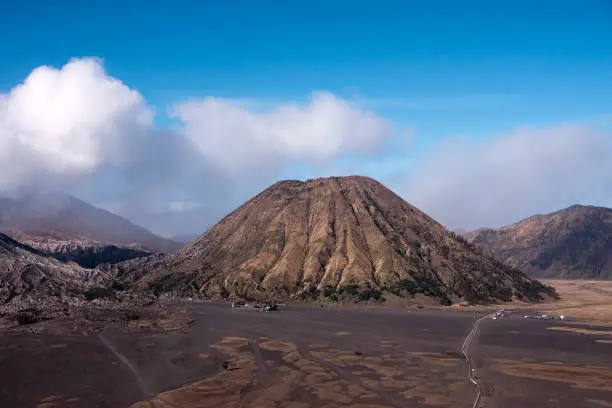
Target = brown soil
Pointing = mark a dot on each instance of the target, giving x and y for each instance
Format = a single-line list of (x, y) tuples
[(234, 358), (587, 377)]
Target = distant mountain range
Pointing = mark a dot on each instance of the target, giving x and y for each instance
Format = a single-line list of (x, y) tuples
[(572, 243), (62, 217)]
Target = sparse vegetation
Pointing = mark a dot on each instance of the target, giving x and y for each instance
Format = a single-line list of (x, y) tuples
[(350, 290), (310, 293), (353, 292), (99, 293), (174, 282), (28, 316), (368, 294), (419, 284), (131, 315), (329, 291)]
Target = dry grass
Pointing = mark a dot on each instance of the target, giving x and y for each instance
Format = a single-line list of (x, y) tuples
[(584, 301)]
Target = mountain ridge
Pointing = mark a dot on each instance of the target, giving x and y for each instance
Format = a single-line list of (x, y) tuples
[(87, 253), (65, 217), (574, 242)]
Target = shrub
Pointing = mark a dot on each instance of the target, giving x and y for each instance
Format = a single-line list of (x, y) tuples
[(368, 294), (311, 292), (98, 293), (329, 291), (351, 290), (445, 301), (178, 282), (131, 315), (27, 316), (404, 287), (119, 286)]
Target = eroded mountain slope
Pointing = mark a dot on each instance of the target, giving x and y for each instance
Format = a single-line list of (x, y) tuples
[(297, 239), (28, 275)]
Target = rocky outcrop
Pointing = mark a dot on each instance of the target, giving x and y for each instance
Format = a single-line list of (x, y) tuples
[(86, 253), (27, 275)]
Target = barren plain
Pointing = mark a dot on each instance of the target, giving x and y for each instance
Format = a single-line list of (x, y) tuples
[(202, 354)]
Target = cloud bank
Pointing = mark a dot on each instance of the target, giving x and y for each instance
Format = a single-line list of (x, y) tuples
[(77, 127), (237, 139), (474, 183), (64, 123)]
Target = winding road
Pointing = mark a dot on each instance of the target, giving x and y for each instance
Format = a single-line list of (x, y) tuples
[(465, 349)]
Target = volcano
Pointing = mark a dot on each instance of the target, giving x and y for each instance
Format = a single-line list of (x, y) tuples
[(326, 236)]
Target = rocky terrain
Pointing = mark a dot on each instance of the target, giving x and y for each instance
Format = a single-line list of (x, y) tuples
[(574, 243), (88, 254), (330, 238), (185, 238), (63, 217), (28, 276)]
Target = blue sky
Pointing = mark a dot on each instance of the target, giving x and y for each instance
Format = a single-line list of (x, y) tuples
[(443, 69), (551, 59)]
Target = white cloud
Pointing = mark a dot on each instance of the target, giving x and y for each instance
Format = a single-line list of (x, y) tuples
[(77, 128), (474, 183), (239, 139), (63, 122)]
